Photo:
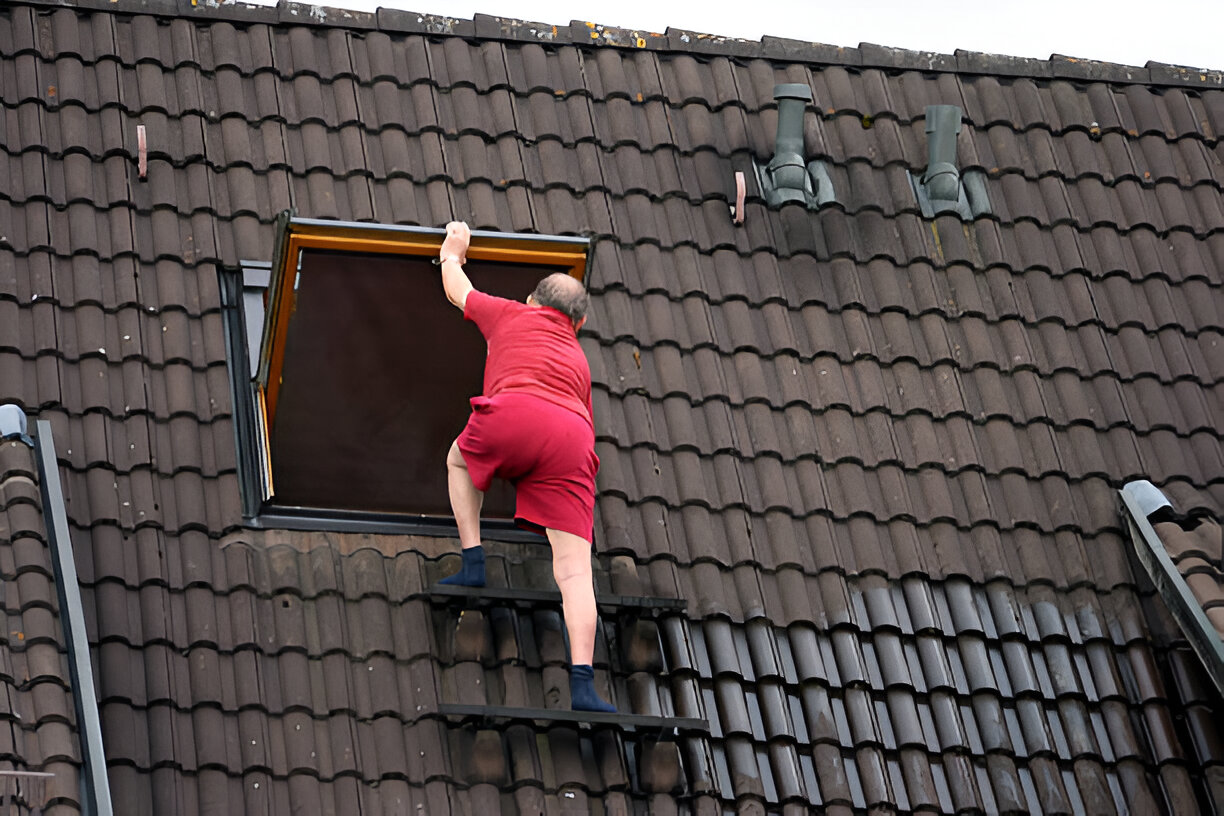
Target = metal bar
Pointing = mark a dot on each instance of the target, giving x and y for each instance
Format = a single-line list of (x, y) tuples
[(628, 722), (275, 293), (241, 390), (1187, 610), (96, 800), (485, 596)]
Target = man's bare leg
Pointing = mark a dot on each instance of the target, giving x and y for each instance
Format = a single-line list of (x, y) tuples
[(572, 572), (466, 502), (465, 499)]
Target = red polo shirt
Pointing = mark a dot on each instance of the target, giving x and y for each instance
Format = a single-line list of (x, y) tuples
[(532, 350)]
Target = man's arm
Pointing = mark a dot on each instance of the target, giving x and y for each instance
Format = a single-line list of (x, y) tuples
[(455, 282), (454, 253)]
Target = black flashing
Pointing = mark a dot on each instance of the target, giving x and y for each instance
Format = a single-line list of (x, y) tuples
[(238, 356), (328, 520)]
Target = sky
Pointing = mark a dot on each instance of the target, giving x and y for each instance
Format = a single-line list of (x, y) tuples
[(1131, 32)]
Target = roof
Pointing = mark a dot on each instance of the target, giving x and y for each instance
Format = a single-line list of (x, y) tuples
[(878, 454)]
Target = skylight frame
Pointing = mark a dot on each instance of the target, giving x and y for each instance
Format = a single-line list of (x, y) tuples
[(294, 237)]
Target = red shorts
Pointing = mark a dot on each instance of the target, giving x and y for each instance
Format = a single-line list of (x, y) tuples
[(547, 452)]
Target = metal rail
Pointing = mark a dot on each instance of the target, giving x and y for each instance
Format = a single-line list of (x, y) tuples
[(96, 798)]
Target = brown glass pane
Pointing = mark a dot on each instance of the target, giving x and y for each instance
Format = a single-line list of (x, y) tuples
[(379, 368)]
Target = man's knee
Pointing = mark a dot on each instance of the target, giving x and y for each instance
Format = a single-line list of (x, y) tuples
[(571, 557), (570, 567)]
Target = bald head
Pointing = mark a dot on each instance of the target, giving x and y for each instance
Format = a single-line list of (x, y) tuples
[(563, 293)]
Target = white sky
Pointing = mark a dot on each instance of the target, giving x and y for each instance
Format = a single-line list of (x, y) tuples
[(1189, 32)]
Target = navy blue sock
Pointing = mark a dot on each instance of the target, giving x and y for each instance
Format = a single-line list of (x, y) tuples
[(472, 573), (583, 696)]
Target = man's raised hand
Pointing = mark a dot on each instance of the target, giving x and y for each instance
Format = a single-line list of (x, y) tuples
[(454, 248), (458, 236)]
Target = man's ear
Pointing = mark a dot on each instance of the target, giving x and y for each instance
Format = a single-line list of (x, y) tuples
[(578, 325)]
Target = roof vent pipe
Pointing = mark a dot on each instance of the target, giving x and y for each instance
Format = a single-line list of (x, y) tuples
[(788, 177), (787, 169), (942, 179)]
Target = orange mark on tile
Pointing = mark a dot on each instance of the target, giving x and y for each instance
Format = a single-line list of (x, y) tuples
[(559, 92), (1147, 174), (637, 357), (50, 90), (639, 96), (142, 151), (737, 211)]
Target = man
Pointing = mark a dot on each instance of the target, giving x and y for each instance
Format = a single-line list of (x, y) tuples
[(533, 426)]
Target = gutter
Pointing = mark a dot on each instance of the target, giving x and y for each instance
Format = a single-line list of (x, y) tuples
[(95, 785)]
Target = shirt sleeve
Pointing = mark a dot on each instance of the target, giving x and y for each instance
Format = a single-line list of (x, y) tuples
[(485, 310)]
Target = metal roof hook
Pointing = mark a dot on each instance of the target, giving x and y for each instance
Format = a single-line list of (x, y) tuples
[(788, 176)]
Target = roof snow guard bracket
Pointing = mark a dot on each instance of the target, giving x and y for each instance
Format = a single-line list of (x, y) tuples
[(787, 177), (485, 597), (942, 188), (617, 719)]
